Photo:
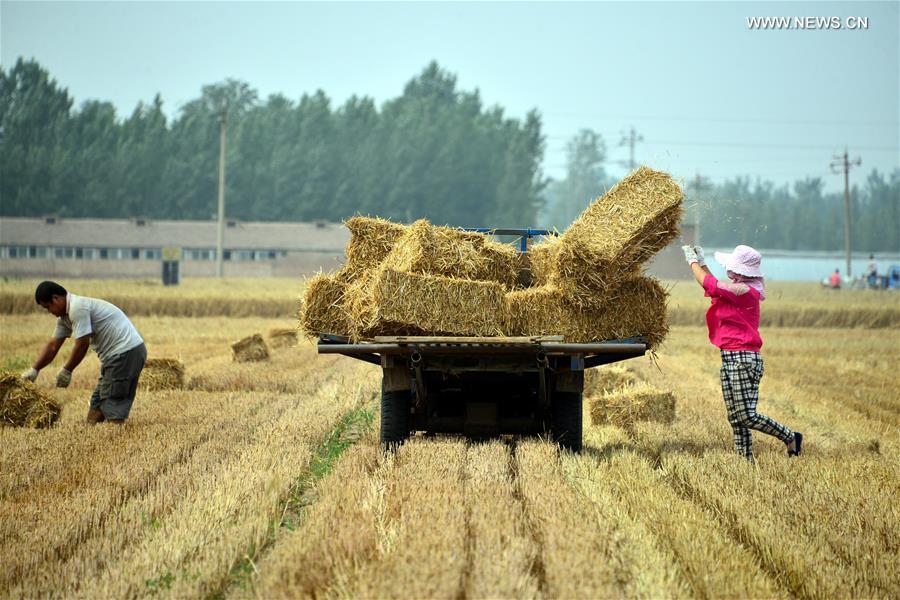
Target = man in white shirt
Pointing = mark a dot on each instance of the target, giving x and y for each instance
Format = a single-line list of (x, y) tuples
[(103, 326)]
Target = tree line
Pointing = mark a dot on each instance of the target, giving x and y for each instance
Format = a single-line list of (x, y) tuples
[(434, 151)]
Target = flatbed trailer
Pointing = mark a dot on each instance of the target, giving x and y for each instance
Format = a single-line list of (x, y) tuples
[(482, 386)]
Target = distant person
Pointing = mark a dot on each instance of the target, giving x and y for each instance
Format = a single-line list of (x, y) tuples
[(733, 322), (834, 282), (97, 323), (872, 272)]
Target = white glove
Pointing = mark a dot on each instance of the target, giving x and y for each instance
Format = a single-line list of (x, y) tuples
[(31, 374), (698, 251), (63, 378), (689, 255)]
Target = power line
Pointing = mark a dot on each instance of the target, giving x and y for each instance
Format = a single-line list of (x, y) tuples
[(630, 139), (722, 119), (745, 144)]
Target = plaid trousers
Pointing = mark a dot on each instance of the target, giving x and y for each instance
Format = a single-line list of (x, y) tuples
[(740, 374)]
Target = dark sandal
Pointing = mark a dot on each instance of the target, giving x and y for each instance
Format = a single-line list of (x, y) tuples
[(798, 443)]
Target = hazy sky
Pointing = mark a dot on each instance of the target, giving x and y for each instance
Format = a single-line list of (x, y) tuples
[(707, 94)]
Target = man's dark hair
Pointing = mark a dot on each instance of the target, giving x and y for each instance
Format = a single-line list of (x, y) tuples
[(46, 290)]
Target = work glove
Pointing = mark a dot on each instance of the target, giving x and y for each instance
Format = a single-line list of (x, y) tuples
[(31, 374), (63, 378), (689, 255), (698, 251)]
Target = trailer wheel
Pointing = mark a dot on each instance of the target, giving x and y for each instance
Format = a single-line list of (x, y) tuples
[(394, 418), (565, 425)]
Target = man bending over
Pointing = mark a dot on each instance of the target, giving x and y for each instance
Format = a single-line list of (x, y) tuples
[(97, 323)]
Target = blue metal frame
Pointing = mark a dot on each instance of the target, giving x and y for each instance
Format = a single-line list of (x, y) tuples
[(524, 234)]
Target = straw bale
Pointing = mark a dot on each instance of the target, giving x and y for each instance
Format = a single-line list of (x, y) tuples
[(434, 250), (282, 337), (633, 221), (628, 405), (636, 308), (601, 380), (162, 374), (540, 259), (251, 348), (23, 404), (398, 303), (371, 239), (322, 309)]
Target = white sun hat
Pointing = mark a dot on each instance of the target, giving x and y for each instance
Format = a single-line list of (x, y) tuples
[(744, 260)]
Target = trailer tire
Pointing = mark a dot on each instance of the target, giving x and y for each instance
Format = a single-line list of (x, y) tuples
[(566, 420), (394, 418)]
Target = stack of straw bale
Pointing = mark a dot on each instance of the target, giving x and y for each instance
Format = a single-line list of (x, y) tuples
[(282, 337), (162, 374), (251, 348), (630, 404), (429, 280), (615, 235), (23, 404)]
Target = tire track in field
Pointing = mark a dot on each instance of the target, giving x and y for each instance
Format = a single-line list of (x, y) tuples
[(788, 566), (537, 568), (94, 526)]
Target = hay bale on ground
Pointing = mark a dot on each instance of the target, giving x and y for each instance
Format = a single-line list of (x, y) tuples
[(323, 307), (282, 337), (162, 374), (636, 308), (396, 303), (23, 404), (427, 249), (633, 221), (371, 239), (251, 348), (628, 405), (600, 380)]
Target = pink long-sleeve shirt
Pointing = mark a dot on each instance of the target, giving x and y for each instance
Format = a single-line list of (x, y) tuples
[(733, 315)]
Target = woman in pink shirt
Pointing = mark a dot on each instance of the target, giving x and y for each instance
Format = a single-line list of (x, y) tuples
[(733, 322)]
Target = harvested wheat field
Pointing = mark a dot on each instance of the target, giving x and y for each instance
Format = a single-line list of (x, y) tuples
[(266, 480)]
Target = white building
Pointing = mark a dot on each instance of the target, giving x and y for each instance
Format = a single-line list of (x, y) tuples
[(102, 248)]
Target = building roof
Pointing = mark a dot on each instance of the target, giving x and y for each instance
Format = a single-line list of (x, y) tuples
[(130, 233)]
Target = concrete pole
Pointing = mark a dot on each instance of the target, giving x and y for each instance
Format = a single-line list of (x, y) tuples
[(847, 230), (220, 234), (844, 162)]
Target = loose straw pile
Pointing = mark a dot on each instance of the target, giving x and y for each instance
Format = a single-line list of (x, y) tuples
[(23, 404), (431, 280)]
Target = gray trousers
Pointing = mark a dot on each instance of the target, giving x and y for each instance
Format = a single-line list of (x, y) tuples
[(117, 386)]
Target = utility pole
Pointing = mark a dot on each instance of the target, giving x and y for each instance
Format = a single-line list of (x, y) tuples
[(630, 139), (220, 234), (844, 163), (699, 185)]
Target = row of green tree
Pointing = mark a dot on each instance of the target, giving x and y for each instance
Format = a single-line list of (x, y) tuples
[(434, 151)]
